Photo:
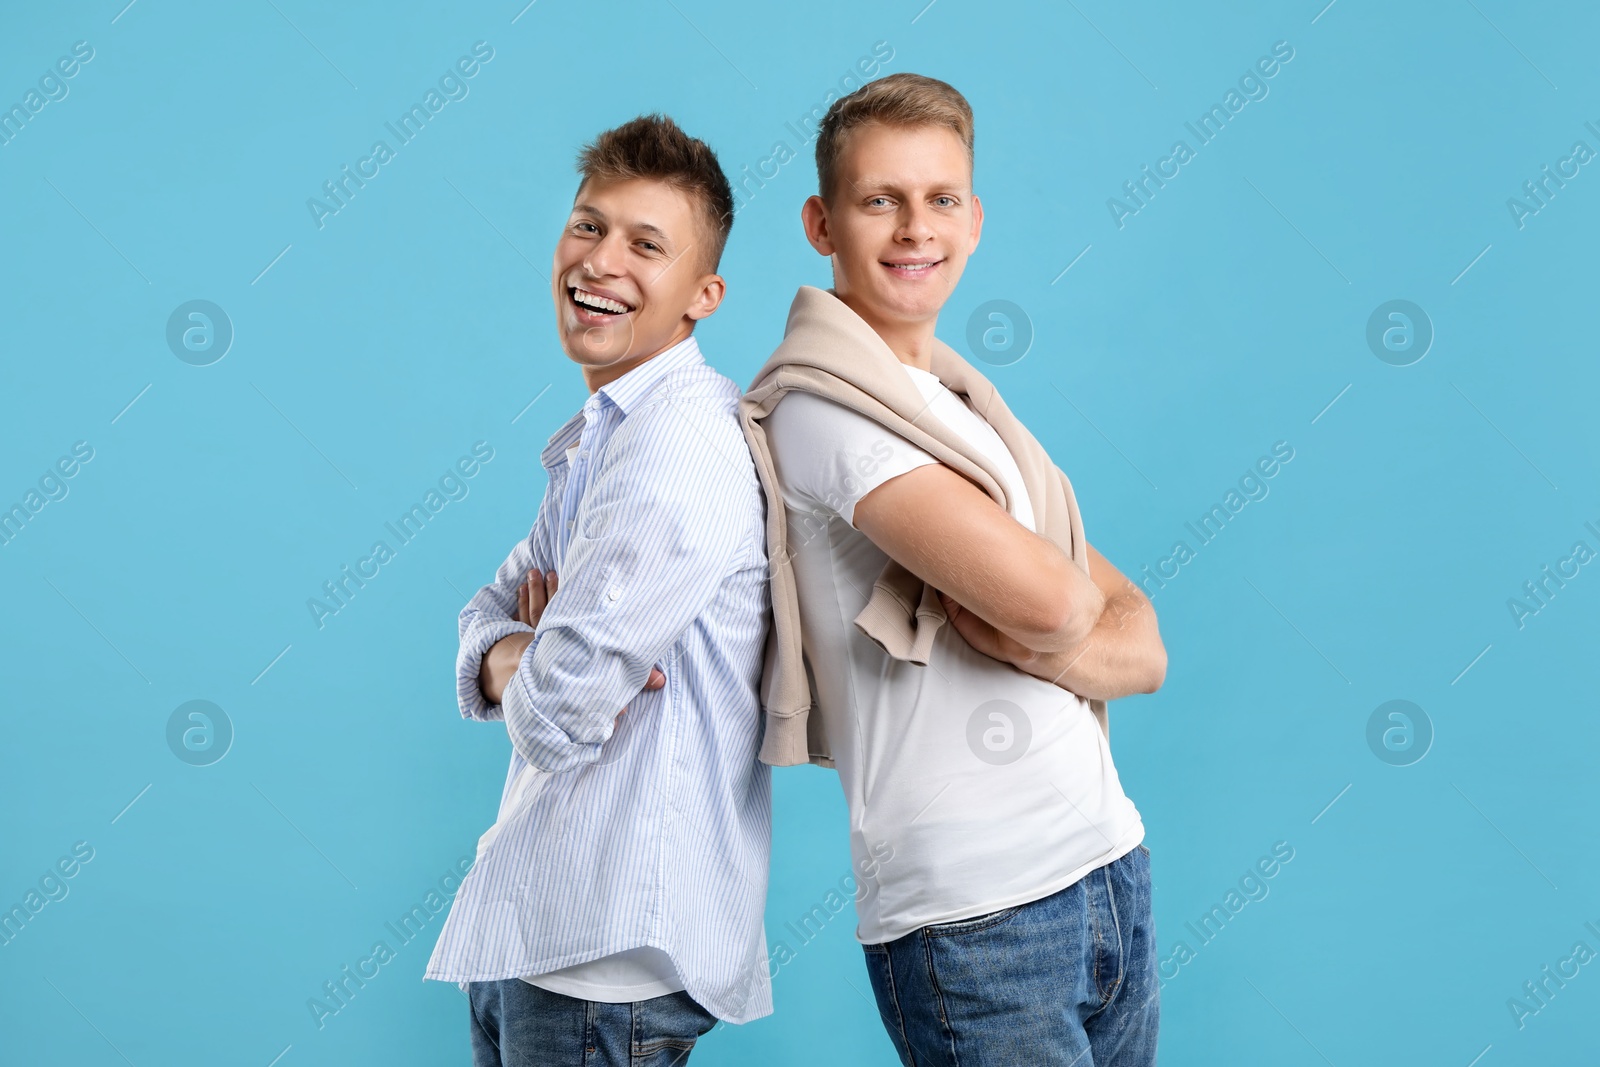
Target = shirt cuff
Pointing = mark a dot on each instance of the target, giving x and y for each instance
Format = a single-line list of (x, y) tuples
[(538, 739), (480, 637)]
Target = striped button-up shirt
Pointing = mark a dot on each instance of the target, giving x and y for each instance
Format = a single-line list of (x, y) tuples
[(653, 829)]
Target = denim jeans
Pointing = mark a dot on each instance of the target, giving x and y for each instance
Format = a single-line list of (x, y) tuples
[(1068, 980), (515, 1024)]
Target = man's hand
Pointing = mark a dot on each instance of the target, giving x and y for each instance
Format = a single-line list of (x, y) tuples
[(985, 637), (501, 661), (1122, 655)]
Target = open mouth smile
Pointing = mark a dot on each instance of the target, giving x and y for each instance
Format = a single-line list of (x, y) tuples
[(593, 308)]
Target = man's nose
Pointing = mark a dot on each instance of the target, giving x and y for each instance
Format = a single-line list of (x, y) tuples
[(603, 259)]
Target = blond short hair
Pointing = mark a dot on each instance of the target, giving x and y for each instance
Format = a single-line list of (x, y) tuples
[(894, 100)]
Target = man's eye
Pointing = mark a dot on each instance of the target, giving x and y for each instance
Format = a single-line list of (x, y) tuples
[(581, 226), (647, 245), (879, 200), (950, 200)]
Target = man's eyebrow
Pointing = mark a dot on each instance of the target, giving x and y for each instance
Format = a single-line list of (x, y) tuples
[(647, 227), (873, 181)]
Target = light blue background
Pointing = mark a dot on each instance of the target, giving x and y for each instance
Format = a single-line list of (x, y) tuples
[(1228, 314)]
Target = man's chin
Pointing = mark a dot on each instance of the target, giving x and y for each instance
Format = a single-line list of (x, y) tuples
[(597, 346), (899, 307), (585, 356)]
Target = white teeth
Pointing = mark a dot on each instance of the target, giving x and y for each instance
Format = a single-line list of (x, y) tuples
[(911, 266), (597, 302)]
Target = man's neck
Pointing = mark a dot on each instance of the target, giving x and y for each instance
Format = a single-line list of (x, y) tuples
[(911, 342), (597, 378)]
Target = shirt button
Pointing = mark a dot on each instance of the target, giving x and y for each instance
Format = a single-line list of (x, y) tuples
[(571, 523), (612, 594)]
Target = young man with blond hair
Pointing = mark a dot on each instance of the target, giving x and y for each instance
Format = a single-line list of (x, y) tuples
[(614, 912), (943, 632)]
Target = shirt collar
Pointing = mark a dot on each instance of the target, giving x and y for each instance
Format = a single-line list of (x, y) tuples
[(625, 392)]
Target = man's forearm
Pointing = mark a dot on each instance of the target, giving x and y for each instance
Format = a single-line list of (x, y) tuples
[(1122, 655), (1078, 605), (944, 529), (1086, 604)]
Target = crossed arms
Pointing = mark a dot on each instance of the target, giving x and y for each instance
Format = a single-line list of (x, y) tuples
[(652, 540), (1013, 595)]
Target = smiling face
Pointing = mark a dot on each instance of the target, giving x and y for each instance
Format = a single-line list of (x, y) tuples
[(628, 276), (899, 226)]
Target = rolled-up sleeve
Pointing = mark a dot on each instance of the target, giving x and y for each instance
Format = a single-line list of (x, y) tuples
[(660, 525), (490, 615)]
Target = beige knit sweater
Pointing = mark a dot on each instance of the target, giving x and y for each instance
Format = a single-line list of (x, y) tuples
[(829, 350)]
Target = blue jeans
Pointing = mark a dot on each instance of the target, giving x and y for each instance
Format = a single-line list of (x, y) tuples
[(1068, 980), (515, 1024)]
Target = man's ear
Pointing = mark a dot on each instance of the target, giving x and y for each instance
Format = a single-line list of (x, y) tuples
[(977, 223), (814, 219), (709, 297)]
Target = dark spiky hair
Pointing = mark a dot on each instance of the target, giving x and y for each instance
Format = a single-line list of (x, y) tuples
[(653, 146)]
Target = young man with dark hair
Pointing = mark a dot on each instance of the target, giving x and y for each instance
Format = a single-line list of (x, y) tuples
[(614, 912), (932, 587)]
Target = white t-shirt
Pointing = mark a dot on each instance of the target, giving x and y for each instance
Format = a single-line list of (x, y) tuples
[(972, 786), (620, 978)]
